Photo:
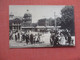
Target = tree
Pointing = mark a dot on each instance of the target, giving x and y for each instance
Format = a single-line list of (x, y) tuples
[(68, 18)]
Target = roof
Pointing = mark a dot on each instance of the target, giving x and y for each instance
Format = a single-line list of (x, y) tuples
[(12, 18), (26, 19), (49, 27), (28, 27), (40, 27), (16, 20), (27, 15)]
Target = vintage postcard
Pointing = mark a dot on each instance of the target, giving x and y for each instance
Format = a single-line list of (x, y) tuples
[(41, 26)]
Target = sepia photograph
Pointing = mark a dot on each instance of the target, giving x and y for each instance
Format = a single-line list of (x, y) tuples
[(33, 26)]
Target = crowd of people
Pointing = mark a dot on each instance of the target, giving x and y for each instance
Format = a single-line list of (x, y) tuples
[(61, 38), (57, 38), (27, 36)]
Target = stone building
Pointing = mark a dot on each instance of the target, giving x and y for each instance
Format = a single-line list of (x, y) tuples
[(14, 23), (43, 22), (26, 21)]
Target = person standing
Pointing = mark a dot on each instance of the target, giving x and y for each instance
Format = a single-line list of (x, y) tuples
[(52, 38), (18, 35), (34, 37), (69, 38), (27, 38), (62, 39), (38, 39), (56, 42), (15, 36), (23, 37), (31, 38)]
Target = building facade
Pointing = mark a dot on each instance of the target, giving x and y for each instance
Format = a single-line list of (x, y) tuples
[(26, 21), (14, 23), (43, 22)]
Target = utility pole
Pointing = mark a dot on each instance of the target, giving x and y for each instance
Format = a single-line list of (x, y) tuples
[(55, 21)]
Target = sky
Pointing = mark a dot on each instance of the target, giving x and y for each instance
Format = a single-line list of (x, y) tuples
[(37, 11)]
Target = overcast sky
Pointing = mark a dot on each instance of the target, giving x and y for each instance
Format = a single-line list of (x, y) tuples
[(37, 11)]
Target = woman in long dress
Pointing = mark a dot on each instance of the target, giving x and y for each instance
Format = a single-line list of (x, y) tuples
[(62, 39)]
